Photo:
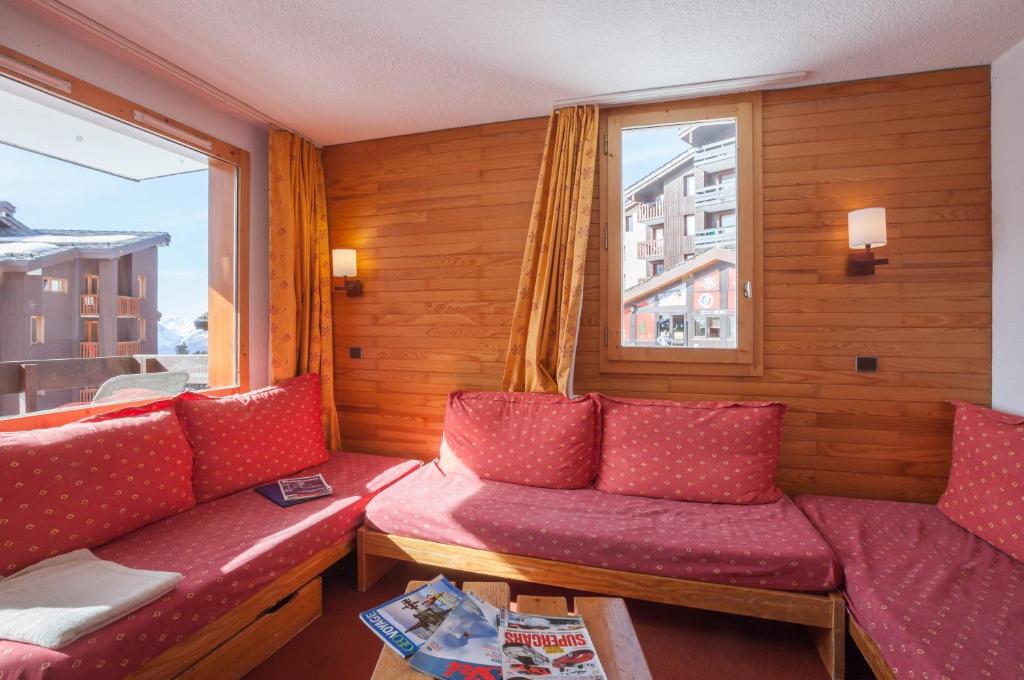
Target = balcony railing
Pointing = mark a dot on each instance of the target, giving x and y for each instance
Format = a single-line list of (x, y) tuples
[(91, 350), (650, 250), (129, 348), (89, 305), (723, 238), (651, 213), (714, 194), (127, 306), (715, 154)]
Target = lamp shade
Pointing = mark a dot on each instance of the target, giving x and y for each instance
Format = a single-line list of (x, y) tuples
[(343, 262), (867, 228)]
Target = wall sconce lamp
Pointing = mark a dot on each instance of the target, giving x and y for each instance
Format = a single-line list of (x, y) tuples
[(867, 229), (343, 266)]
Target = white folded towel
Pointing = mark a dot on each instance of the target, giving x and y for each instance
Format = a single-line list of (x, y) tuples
[(58, 600)]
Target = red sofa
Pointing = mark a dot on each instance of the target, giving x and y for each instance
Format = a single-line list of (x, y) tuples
[(250, 567), (594, 494)]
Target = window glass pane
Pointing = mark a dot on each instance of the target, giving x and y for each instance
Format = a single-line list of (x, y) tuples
[(105, 245), (678, 285)]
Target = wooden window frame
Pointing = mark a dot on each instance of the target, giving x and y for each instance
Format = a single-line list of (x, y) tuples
[(37, 330), (229, 228), (747, 359), (140, 282), (62, 284)]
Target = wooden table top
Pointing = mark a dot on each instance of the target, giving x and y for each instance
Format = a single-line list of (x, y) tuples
[(606, 617)]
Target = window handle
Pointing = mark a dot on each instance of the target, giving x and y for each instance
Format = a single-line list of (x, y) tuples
[(748, 290)]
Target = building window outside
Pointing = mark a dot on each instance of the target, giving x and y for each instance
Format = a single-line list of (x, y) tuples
[(55, 285), (37, 330), (140, 285), (701, 159)]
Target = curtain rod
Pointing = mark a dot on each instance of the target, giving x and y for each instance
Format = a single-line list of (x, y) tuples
[(710, 87), (85, 24)]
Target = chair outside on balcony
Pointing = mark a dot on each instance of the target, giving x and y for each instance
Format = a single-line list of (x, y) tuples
[(141, 385)]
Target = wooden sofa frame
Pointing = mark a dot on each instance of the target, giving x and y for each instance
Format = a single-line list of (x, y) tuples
[(246, 636), (870, 651), (824, 615)]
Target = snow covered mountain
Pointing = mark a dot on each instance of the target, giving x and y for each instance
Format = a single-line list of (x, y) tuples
[(173, 330)]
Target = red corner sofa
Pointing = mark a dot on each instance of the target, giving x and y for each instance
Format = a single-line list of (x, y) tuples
[(938, 591), (665, 501), (167, 487)]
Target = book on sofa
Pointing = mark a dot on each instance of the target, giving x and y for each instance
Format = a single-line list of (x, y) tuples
[(294, 490), (405, 622)]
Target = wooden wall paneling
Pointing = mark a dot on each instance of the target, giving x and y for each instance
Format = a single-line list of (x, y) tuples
[(440, 220)]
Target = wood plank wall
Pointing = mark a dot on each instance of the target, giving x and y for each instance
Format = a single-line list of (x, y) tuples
[(439, 220)]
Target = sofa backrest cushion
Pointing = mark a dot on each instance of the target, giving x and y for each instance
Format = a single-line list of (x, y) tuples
[(985, 493), (83, 484), (246, 439), (534, 439), (720, 452)]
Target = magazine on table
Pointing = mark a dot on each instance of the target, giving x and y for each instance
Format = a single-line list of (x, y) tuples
[(549, 646), (465, 646), (405, 622), (303, 488)]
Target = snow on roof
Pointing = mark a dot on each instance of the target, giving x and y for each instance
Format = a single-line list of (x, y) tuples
[(20, 244)]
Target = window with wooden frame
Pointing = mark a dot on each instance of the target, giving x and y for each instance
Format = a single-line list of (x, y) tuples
[(121, 141), (54, 285), (37, 330), (682, 293)]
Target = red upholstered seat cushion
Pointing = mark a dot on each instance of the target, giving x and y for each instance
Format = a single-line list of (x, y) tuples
[(228, 550), (524, 438), (245, 439), (769, 545), (939, 601), (722, 452), (985, 494), (83, 484)]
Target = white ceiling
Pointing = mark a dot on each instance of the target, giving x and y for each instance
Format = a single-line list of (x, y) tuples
[(344, 70)]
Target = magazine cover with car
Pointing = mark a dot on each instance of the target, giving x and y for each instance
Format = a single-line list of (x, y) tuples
[(465, 646), (406, 622), (546, 646)]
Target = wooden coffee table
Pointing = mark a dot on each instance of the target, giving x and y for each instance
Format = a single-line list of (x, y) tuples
[(606, 618)]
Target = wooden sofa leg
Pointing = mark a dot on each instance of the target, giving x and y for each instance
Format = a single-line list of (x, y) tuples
[(371, 568), (831, 642)]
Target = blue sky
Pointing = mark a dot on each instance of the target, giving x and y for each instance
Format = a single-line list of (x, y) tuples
[(644, 149), (49, 193)]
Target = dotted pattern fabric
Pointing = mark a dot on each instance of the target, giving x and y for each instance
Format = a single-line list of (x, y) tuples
[(940, 603), (536, 439), (228, 550), (985, 494), (247, 439), (83, 484), (769, 545), (720, 452)]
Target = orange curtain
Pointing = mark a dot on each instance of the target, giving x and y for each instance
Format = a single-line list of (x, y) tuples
[(301, 336), (542, 346)]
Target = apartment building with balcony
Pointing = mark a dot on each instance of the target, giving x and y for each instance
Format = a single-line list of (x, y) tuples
[(673, 215), (75, 294)]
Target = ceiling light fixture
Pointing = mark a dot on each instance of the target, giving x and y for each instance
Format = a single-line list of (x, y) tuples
[(710, 87), (32, 73)]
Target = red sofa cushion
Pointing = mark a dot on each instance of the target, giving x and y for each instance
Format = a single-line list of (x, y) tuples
[(227, 550), (769, 545), (722, 452), (245, 439), (83, 484), (985, 494), (536, 439), (937, 600)]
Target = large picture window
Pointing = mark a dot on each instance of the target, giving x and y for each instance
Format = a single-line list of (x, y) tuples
[(135, 220), (680, 287)]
